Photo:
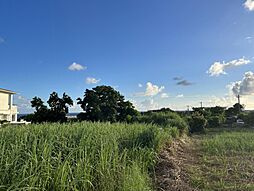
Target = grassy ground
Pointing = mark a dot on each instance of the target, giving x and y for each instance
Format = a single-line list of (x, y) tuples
[(224, 160), (80, 156)]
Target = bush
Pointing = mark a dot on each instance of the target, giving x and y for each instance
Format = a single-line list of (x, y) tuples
[(165, 120), (3, 121), (215, 121), (197, 123), (248, 118), (28, 117)]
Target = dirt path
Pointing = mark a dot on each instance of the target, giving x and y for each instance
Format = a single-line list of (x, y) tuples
[(174, 159)]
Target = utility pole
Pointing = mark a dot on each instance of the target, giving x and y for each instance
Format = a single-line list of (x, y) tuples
[(239, 103), (188, 109), (238, 97)]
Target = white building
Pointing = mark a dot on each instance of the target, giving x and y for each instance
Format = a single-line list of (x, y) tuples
[(7, 110)]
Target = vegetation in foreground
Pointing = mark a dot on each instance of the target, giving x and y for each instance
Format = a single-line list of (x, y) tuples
[(80, 156), (104, 156), (227, 161)]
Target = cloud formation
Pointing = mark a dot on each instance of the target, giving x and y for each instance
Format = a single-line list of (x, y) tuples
[(76, 67), (164, 95), (148, 104), (90, 80), (245, 86), (249, 39), (180, 96), (184, 83), (249, 4), (1, 40), (219, 68), (24, 104), (152, 90), (177, 78), (140, 85)]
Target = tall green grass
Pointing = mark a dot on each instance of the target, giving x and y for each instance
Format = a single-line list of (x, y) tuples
[(80, 156)]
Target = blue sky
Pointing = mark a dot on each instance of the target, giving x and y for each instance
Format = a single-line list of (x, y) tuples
[(129, 44)]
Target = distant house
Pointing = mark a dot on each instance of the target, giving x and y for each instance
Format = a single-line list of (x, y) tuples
[(8, 111)]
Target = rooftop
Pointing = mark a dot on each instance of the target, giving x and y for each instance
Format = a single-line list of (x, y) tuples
[(6, 91)]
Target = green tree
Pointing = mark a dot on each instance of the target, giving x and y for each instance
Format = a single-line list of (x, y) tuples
[(217, 111), (56, 113), (38, 104), (103, 103), (60, 105), (235, 110), (197, 122), (248, 118), (238, 108), (216, 117)]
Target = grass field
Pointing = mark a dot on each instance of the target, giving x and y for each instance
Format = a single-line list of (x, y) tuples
[(226, 160), (80, 156)]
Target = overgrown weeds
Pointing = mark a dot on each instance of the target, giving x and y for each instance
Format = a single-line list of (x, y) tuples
[(80, 156)]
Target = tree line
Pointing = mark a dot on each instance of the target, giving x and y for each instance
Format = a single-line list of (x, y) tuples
[(104, 103), (101, 103)]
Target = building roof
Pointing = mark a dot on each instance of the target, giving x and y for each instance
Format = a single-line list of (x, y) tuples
[(6, 91)]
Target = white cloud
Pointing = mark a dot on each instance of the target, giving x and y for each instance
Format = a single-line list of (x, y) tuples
[(249, 4), (180, 96), (1, 40), (23, 104), (76, 67), (75, 108), (152, 90), (219, 68), (229, 100), (225, 101), (140, 85), (245, 86), (90, 80), (164, 95), (249, 39), (148, 104)]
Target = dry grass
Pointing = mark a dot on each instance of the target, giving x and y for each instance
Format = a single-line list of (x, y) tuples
[(226, 161)]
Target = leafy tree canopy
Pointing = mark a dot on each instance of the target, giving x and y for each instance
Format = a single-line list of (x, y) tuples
[(58, 108), (235, 110), (38, 104), (103, 103)]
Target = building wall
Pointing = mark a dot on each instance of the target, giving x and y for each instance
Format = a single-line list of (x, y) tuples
[(4, 101), (7, 110)]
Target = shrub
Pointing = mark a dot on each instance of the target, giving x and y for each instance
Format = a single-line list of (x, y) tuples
[(28, 117), (248, 118), (197, 123), (3, 121), (215, 121), (165, 120)]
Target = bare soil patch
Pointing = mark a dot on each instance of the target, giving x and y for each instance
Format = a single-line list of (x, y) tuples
[(174, 160)]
